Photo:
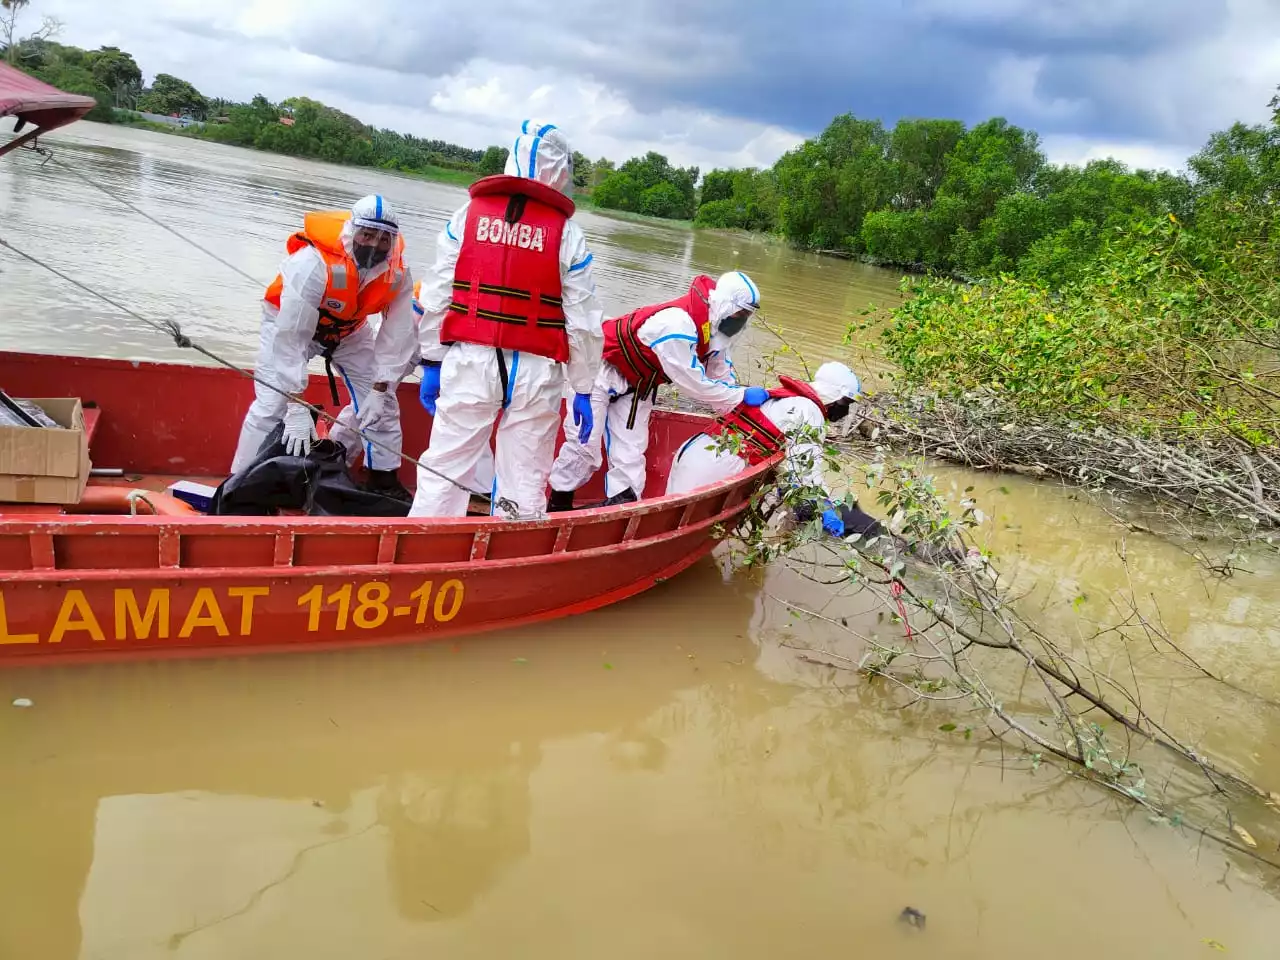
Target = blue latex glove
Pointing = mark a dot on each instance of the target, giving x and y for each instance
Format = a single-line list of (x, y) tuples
[(429, 392), (754, 396), (583, 419), (832, 523)]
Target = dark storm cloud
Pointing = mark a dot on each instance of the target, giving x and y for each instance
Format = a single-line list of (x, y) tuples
[(1166, 71), (796, 64), (799, 63), (1119, 27)]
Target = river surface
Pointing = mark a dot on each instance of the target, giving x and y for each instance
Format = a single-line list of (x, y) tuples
[(662, 778)]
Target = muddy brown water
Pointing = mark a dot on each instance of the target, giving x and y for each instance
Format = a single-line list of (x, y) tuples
[(661, 778)]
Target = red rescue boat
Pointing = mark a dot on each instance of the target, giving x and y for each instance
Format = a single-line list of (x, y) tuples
[(76, 586), (90, 582)]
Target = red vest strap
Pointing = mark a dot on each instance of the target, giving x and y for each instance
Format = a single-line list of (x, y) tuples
[(625, 352), (505, 186), (506, 283), (761, 437), (792, 387)]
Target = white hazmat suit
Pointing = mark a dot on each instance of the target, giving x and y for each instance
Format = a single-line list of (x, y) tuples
[(361, 359), (673, 337), (471, 395), (698, 463)]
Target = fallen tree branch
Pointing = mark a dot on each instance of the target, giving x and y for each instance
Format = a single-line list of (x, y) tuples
[(1219, 480), (963, 635)]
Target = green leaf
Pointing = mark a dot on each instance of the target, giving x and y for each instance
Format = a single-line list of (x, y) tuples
[(519, 660), (947, 727), (608, 666)]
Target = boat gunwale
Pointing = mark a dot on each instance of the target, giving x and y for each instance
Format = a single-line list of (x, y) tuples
[(177, 573), (72, 523)]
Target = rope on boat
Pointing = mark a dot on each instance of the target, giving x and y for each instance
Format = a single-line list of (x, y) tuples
[(172, 329), (133, 498), (84, 178), (158, 222)]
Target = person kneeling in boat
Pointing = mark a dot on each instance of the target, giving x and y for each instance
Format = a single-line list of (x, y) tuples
[(342, 269), (685, 342), (794, 418), (509, 313)]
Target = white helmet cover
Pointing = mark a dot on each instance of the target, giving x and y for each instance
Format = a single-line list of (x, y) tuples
[(734, 291), (834, 381), (375, 213), (541, 152)]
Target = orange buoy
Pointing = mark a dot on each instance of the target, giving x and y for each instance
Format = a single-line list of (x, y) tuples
[(128, 500)]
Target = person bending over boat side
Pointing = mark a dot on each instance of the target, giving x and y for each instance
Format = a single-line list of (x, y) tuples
[(509, 309), (795, 418), (342, 268), (685, 342)]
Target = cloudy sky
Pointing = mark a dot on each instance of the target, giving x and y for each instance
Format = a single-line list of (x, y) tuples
[(719, 82)]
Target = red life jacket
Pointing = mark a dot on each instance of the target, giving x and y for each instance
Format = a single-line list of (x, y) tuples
[(761, 437), (506, 285), (637, 362)]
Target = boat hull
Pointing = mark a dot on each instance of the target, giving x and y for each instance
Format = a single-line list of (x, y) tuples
[(75, 588)]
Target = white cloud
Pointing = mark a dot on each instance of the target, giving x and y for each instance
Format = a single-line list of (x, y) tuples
[(1014, 81), (1138, 155), (711, 83), (243, 47)]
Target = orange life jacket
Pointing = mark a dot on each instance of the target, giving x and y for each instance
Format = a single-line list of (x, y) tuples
[(506, 283), (761, 437), (345, 307)]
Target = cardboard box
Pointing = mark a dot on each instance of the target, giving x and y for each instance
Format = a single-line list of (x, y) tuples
[(42, 465)]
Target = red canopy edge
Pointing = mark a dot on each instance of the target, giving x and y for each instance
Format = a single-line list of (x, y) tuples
[(37, 103)]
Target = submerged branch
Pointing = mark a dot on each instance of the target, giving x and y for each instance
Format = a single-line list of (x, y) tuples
[(1220, 479), (956, 610)]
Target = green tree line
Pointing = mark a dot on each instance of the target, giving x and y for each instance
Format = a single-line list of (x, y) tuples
[(933, 194), (649, 185), (304, 127), (298, 126), (1162, 314)]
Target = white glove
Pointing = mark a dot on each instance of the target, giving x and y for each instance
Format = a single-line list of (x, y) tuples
[(299, 430), (379, 406)]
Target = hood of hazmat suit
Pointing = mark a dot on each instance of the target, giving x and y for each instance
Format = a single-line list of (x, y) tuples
[(541, 152), (370, 234), (834, 381), (734, 292)]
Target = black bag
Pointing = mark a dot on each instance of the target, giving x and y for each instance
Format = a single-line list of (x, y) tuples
[(318, 483)]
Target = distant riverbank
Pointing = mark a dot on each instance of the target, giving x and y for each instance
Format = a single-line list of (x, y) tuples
[(460, 178), (199, 131)]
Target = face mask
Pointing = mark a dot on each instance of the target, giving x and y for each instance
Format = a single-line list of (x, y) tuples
[(367, 255), (838, 411), (732, 326)]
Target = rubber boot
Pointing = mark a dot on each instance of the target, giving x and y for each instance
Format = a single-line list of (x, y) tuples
[(387, 484), (560, 501), (626, 496)]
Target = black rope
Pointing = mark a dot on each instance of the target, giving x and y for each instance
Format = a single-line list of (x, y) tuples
[(156, 220), (172, 329), (184, 342)]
